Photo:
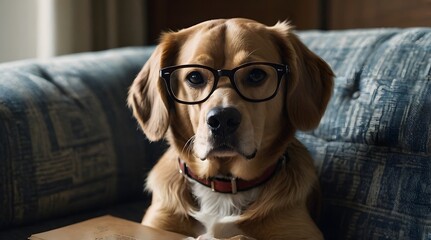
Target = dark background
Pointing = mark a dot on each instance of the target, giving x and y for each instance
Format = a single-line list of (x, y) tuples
[(166, 15)]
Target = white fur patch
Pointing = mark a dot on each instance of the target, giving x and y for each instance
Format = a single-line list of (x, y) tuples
[(219, 212)]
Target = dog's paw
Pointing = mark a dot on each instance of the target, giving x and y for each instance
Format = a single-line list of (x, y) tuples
[(209, 237), (206, 237), (240, 237)]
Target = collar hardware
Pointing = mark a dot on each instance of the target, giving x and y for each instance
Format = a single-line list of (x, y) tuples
[(231, 185)]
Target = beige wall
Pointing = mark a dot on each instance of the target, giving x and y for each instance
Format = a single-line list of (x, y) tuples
[(47, 28), (18, 29), (64, 26)]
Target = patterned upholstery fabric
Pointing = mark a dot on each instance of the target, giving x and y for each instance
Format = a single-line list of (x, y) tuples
[(67, 140), (68, 143), (373, 146)]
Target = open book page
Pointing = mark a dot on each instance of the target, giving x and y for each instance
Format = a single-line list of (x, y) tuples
[(106, 228)]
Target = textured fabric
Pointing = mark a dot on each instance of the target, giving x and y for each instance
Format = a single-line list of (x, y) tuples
[(67, 140), (373, 146)]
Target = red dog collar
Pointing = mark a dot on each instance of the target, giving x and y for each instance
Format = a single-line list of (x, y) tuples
[(232, 184)]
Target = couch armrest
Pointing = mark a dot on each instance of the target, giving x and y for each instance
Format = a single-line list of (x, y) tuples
[(373, 145), (67, 140)]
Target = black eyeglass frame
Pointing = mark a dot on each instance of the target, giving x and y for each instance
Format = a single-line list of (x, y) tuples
[(166, 72)]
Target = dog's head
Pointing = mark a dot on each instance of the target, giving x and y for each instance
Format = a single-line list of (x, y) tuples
[(229, 94)]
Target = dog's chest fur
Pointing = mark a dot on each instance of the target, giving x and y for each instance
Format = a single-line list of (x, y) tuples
[(219, 212)]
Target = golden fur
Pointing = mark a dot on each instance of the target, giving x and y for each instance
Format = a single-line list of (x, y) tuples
[(281, 210)]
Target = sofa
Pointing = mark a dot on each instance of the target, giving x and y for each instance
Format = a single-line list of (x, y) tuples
[(70, 149)]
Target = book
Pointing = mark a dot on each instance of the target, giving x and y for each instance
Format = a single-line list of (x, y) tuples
[(106, 228)]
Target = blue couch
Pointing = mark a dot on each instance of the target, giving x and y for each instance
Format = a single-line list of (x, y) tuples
[(70, 149)]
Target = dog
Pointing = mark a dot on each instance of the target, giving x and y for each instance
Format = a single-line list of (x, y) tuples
[(228, 96)]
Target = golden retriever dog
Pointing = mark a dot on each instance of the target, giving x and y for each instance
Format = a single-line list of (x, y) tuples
[(228, 96)]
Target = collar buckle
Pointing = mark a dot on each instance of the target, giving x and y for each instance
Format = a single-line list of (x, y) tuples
[(233, 184), (212, 185)]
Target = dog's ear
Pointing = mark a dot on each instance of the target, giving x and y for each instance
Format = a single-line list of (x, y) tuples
[(309, 82), (148, 96)]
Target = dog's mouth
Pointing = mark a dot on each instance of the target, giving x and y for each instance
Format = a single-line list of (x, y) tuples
[(228, 151)]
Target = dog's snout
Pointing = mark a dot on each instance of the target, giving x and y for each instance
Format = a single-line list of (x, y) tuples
[(223, 121)]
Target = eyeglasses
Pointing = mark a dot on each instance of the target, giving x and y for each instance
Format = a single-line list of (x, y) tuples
[(193, 83)]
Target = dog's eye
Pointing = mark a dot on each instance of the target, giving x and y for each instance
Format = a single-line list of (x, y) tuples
[(195, 78), (256, 76)]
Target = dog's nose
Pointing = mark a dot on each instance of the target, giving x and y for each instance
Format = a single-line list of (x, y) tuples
[(223, 121)]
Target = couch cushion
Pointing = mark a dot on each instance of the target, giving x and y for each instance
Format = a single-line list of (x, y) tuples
[(67, 140), (373, 146)]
